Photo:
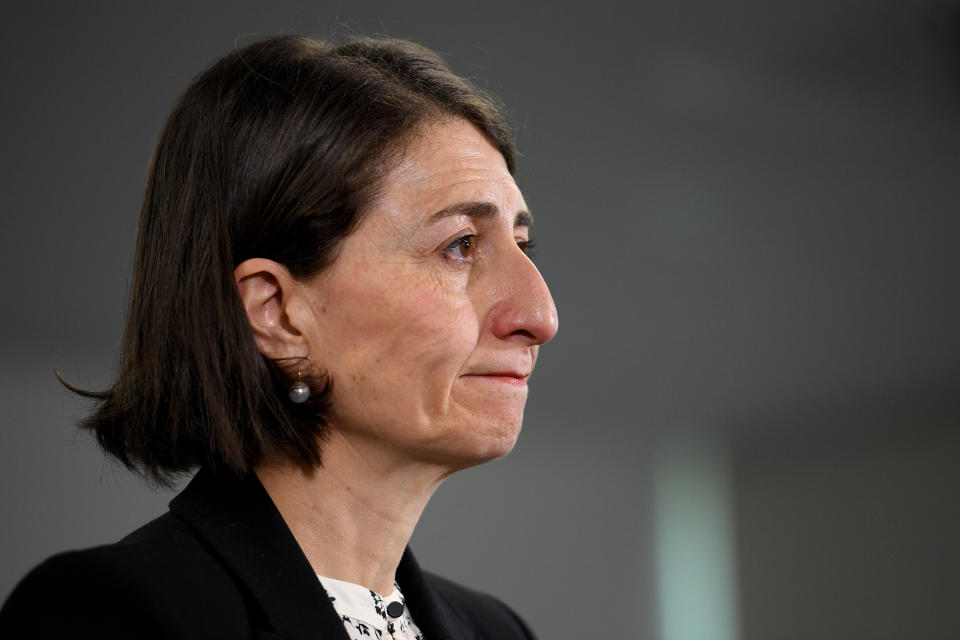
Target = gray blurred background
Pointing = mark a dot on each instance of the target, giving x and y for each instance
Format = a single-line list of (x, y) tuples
[(748, 426)]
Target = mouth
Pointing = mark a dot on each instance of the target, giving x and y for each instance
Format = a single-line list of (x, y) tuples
[(505, 377)]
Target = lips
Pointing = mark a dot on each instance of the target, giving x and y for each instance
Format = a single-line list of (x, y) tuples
[(507, 377)]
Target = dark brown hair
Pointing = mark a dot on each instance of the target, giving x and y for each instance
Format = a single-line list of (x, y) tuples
[(272, 152)]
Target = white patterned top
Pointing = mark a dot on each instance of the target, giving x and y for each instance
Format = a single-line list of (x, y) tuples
[(365, 613)]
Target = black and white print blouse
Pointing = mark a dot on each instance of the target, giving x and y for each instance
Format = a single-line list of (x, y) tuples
[(365, 613)]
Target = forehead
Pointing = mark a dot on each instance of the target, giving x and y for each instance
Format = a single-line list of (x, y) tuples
[(445, 163)]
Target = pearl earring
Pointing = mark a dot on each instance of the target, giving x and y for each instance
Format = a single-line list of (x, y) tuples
[(299, 391)]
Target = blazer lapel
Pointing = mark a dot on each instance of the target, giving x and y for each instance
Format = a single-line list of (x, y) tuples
[(431, 613), (243, 527)]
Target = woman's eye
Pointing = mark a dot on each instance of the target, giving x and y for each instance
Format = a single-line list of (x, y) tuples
[(463, 248), (526, 246)]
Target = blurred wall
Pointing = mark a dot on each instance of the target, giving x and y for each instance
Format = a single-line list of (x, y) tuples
[(745, 211), (848, 516)]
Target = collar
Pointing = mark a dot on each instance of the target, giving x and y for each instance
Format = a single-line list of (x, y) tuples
[(360, 603), (237, 518)]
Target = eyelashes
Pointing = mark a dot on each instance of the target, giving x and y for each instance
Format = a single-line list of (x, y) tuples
[(463, 248)]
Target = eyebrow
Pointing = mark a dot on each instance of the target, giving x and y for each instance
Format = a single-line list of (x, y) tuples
[(480, 211)]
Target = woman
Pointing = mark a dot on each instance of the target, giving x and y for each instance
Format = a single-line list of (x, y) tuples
[(332, 311)]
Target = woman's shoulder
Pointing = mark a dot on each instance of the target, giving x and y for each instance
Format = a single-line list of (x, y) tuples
[(478, 610), (158, 580)]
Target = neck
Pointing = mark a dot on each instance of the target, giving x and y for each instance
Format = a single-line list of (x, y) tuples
[(354, 516)]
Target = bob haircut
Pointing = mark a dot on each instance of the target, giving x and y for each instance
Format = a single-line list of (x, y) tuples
[(272, 152)]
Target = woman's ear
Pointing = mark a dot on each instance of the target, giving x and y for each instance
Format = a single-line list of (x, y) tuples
[(266, 289)]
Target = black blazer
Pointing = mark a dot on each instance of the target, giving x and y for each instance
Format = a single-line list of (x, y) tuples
[(222, 564)]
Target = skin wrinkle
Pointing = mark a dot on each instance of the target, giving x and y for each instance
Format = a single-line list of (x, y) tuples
[(413, 336)]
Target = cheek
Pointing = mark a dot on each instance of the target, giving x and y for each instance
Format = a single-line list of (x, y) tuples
[(409, 328), (431, 335)]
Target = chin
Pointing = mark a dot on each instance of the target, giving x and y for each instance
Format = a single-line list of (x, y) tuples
[(496, 440), (499, 449)]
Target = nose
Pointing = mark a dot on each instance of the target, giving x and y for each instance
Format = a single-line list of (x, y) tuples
[(524, 310)]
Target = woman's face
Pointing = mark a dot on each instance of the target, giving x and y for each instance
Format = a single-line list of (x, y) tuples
[(430, 318)]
